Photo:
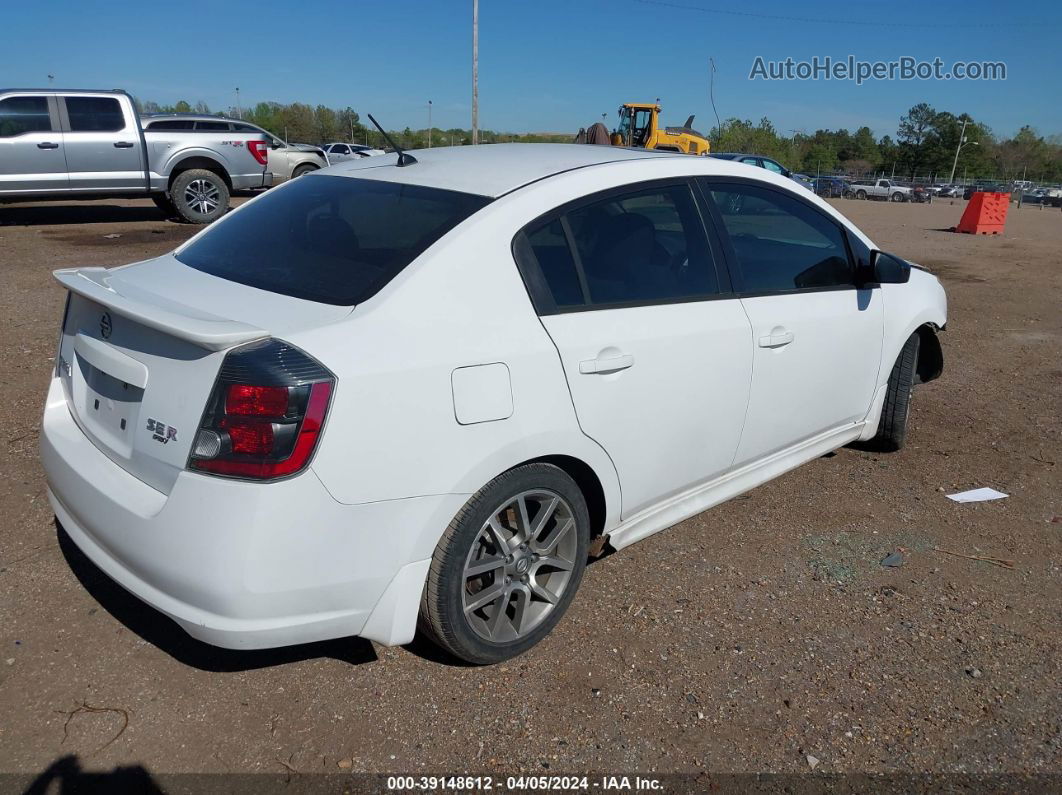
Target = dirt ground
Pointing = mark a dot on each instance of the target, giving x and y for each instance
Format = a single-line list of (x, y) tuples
[(746, 639)]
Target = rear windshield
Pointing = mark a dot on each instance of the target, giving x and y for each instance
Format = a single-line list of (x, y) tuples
[(335, 240)]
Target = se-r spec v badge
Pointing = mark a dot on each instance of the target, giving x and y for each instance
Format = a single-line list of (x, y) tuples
[(106, 326), (161, 432)]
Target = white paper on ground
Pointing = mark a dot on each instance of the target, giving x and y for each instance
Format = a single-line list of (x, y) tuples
[(977, 495)]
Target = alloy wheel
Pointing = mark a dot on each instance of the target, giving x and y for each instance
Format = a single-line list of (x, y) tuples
[(519, 565)]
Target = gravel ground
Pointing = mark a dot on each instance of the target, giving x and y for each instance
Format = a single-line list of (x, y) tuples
[(745, 639)]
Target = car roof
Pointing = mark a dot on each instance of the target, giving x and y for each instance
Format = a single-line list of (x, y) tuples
[(489, 169)]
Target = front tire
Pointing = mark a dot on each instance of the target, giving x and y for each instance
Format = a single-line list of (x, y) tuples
[(508, 565), (892, 428), (199, 196)]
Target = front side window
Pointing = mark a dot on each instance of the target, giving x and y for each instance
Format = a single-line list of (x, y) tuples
[(643, 247), (94, 114), (780, 242), (770, 165), (330, 239), (19, 115)]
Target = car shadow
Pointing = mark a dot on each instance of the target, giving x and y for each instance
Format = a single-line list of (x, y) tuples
[(65, 214), (163, 632), (66, 775)]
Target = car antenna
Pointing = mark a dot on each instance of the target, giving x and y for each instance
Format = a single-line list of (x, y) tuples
[(404, 158)]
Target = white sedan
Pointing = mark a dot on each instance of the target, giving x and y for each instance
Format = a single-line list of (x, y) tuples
[(424, 390), (340, 152)]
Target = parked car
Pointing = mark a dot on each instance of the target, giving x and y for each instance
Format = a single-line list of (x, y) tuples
[(67, 144), (948, 191), (761, 161), (983, 187), (886, 189), (832, 187), (338, 152), (386, 393), (286, 161)]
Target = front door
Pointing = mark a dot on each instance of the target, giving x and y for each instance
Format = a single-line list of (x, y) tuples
[(656, 350), (816, 338), (103, 147), (32, 156)]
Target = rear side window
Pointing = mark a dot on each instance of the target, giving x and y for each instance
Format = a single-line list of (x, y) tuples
[(172, 124), (94, 114), (212, 125), (555, 261), (780, 242), (20, 115), (334, 240), (643, 247)]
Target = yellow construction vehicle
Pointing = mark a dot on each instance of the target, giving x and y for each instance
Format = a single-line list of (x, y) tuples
[(639, 127)]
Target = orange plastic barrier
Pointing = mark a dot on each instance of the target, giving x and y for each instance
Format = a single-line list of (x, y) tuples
[(986, 214)]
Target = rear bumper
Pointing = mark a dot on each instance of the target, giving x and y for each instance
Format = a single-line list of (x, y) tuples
[(243, 565)]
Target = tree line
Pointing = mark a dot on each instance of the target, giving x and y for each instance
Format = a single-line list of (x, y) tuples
[(923, 147)]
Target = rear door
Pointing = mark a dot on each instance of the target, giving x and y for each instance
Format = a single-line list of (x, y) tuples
[(32, 155), (817, 338), (656, 348), (103, 145)]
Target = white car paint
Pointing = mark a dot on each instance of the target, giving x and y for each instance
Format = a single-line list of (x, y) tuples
[(444, 379)]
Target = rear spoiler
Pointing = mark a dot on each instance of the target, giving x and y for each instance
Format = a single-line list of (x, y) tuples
[(155, 311)]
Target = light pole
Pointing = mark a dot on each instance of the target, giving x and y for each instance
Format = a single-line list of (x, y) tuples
[(475, 72), (239, 110), (962, 142), (429, 124)]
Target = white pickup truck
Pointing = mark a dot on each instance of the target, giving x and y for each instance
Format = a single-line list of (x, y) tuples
[(67, 144), (884, 189)]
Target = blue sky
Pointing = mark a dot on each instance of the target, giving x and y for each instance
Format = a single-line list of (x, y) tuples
[(544, 65)]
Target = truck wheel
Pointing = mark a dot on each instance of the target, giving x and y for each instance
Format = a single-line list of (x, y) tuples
[(861, 195), (163, 202), (305, 168), (199, 196), (897, 196), (508, 566), (892, 428)]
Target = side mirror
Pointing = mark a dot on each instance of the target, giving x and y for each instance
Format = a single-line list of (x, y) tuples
[(888, 268)]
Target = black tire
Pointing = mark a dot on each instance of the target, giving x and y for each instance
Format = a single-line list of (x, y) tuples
[(892, 428), (162, 201), (305, 168), (443, 616), (861, 194), (199, 196), (898, 197)]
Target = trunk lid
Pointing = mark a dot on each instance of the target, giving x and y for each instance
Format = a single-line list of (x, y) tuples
[(141, 348)]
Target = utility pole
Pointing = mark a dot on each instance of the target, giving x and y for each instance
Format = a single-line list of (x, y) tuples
[(239, 110), (429, 124), (962, 143), (475, 72)]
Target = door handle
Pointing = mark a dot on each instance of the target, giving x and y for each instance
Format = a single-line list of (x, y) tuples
[(123, 145), (603, 366), (47, 145), (778, 338)]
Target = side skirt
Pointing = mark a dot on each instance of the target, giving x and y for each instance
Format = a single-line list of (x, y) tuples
[(701, 498)]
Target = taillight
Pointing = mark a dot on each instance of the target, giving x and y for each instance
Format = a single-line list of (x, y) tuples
[(265, 414), (259, 150)]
